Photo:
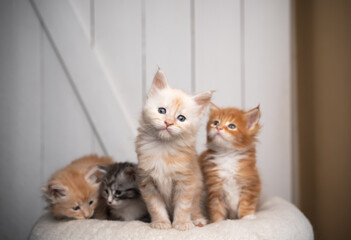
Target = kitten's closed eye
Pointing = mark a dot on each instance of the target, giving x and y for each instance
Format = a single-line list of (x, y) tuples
[(91, 202), (76, 208), (118, 192)]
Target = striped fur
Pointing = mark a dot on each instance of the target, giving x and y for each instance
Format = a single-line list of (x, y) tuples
[(76, 185), (232, 181)]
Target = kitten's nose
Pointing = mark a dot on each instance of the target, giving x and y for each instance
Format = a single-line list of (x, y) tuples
[(86, 215), (219, 128), (109, 202), (168, 124)]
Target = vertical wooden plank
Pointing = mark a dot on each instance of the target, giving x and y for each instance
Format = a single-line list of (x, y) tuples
[(20, 121), (217, 42), (217, 50), (168, 41), (67, 133), (268, 82), (118, 42)]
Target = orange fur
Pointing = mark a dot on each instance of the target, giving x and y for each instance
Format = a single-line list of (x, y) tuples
[(229, 165), (68, 188)]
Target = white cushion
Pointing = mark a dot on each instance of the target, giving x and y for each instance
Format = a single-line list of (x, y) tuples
[(276, 219)]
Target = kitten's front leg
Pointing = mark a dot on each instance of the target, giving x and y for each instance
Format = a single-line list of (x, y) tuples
[(196, 215), (247, 205), (154, 203), (216, 208), (183, 199)]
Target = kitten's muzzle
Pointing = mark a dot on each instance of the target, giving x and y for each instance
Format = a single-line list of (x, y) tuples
[(168, 124)]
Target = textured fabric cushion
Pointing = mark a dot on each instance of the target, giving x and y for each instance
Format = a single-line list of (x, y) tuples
[(276, 219)]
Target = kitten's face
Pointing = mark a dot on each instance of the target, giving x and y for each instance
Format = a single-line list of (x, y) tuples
[(119, 184), (231, 128), (169, 113), (74, 200), (73, 194)]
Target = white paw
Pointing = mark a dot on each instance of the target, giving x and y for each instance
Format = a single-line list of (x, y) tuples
[(249, 217), (161, 225), (183, 226), (200, 222)]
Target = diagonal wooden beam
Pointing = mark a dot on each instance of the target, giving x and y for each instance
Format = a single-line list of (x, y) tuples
[(89, 78)]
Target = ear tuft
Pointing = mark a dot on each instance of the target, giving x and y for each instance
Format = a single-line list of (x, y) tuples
[(54, 192), (130, 172), (203, 99), (159, 82), (95, 175), (253, 116), (213, 107)]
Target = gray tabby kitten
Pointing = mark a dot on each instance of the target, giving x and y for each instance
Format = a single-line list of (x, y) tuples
[(120, 197)]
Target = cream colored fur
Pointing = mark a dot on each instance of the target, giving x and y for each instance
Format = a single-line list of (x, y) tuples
[(170, 179)]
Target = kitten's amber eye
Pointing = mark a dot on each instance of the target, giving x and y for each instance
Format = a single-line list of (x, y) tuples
[(181, 118), (76, 208), (215, 123), (162, 110), (91, 202), (232, 126)]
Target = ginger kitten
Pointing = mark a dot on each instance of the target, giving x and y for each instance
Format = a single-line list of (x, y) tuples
[(169, 174), (72, 192), (229, 165)]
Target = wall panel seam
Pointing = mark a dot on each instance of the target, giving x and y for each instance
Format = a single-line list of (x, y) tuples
[(242, 52), (68, 75)]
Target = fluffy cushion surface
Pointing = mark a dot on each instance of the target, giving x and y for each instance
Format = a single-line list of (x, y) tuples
[(275, 219)]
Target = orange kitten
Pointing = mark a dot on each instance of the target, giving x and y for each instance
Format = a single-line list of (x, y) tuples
[(72, 192), (229, 165), (170, 178)]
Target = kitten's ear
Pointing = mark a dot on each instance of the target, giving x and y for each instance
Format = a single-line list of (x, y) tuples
[(159, 82), (130, 172), (213, 107), (95, 175), (54, 192), (203, 99), (253, 116), (103, 169)]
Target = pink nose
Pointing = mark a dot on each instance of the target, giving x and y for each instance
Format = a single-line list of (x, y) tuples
[(219, 128), (168, 124)]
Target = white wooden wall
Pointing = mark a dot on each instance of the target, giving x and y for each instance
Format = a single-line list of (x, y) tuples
[(74, 74)]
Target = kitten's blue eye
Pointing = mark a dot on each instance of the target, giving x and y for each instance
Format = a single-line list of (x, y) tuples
[(181, 118), (118, 192), (162, 110), (231, 126), (215, 123), (76, 208), (91, 202)]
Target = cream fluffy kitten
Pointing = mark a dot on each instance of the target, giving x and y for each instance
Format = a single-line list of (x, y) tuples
[(170, 179)]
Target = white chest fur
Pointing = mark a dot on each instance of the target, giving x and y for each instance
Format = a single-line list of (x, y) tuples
[(155, 164), (163, 175), (227, 166)]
